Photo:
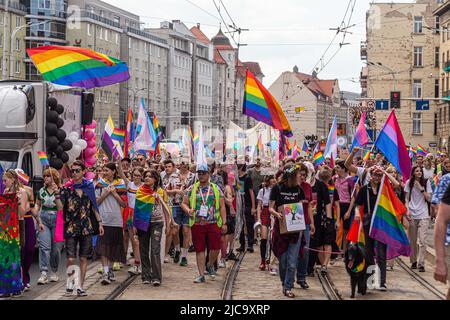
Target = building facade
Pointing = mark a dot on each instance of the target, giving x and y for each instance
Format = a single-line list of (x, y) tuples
[(310, 104), (442, 116), (402, 53), (12, 39)]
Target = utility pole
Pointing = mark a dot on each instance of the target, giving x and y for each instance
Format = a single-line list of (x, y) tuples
[(5, 41), (194, 85)]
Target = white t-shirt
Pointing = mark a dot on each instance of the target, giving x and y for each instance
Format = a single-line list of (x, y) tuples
[(264, 196), (418, 206), (360, 174), (131, 193), (428, 173)]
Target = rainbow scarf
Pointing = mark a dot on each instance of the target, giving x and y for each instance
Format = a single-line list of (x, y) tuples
[(434, 182), (118, 184), (78, 67), (143, 207)]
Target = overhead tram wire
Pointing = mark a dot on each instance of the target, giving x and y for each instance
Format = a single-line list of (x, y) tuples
[(225, 23), (205, 11), (228, 14)]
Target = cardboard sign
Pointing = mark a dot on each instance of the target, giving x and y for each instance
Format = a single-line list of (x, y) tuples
[(293, 219)]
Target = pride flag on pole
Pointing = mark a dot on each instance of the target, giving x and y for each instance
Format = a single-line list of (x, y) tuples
[(43, 158), (361, 137), (331, 147)]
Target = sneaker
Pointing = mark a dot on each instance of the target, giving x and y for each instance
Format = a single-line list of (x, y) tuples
[(172, 252), (273, 271), (156, 283), (176, 257), (27, 287), (200, 279), (134, 270), (100, 270), (105, 280), (54, 277), (262, 266), (43, 279), (166, 259), (232, 256), (390, 268), (250, 249), (111, 275), (191, 248), (17, 294), (302, 284), (116, 266), (145, 282), (222, 263), (421, 269), (81, 292), (414, 265), (383, 287), (69, 288), (240, 249), (183, 262), (324, 270), (332, 262), (211, 272)]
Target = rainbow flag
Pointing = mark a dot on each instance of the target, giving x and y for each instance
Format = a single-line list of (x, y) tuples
[(305, 148), (196, 140), (295, 150), (143, 207), (118, 135), (367, 155), (318, 158), (78, 67), (259, 146), (422, 151), (385, 226), (288, 147), (157, 128), (23, 177), (126, 146), (43, 158), (390, 142), (434, 182), (262, 106)]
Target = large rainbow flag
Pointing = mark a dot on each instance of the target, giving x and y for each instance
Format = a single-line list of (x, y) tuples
[(78, 67), (385, 226), (143, 207), (422, 151), (391, 143), (261, 105)]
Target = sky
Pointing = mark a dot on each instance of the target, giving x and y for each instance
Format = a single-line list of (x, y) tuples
[(282, 33)]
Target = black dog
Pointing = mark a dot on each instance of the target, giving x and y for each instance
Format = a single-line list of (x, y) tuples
[(356, 267)]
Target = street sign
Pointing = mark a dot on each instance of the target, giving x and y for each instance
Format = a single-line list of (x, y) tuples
[(432, 144), (382, 105), (422, 105)]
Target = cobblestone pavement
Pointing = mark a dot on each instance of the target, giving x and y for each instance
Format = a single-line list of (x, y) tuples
[(253, 284), (177, 284), (401, 285)]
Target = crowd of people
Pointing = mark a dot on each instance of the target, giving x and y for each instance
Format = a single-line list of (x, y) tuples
[(146, 213)]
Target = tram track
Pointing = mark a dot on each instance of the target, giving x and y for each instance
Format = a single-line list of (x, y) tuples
[(328, 287), (227, 291)]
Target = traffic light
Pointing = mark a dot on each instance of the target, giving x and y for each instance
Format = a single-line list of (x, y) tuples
[(395, 99), (185, 118)]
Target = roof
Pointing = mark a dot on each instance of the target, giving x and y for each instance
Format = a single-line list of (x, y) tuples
[(254, 68), (221, 39), (224, 47), (442, 9), (316, 85), (241, 71), (218, 57), (200, 35)]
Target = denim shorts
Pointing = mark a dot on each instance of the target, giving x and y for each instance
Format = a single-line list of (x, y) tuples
[(181, 218)]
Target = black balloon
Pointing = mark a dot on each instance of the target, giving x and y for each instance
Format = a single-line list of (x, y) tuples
[(66, 145), (60, 109), (52, 103), (64, 157), (59, 151), (59, 123), (51, 129), (52, 116), (56, 163), (51, 143), (61, 135)]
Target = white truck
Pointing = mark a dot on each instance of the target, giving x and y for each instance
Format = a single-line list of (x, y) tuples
[(23, 109)]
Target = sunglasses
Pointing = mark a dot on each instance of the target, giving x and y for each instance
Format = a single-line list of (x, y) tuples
[(75, 170), (47, 176)]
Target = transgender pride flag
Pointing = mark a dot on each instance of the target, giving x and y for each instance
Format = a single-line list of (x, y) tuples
[(391, 143), (361, 137)]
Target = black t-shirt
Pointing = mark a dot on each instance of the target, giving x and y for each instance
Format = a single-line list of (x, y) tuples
[(361, 200), (282, 195), (321, 195), (246, 185)]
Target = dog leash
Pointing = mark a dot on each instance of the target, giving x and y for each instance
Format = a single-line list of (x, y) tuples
[(322, 251)]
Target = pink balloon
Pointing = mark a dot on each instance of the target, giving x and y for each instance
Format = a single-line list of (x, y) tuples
[(91, 143), (89, 175), (91, 161), (93, 125), (88, 135), (89, 152)]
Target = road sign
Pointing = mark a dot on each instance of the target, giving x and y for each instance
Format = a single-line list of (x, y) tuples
[(422, 105), (382, 105), (432, 144)]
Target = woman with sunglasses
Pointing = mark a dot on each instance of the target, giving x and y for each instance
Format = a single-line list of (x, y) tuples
[(110, 245), (47, 205), (137, 174), (150, 215)]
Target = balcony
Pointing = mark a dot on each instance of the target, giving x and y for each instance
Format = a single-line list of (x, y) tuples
[(145, 35), (96, 17), (14, 6), (364, 50)]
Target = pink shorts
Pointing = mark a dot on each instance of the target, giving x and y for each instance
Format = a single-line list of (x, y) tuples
[(208, 233)]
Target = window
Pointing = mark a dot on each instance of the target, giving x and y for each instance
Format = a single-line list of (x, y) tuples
[(418, 56), (175, 82), (106, 34), (116, 100), (418, 23), (117, 38), (440, 116), (417, 123), (437, 25), (436, 57), (436, 88), (89, 32), (417, 89), (17, 44), (17, 66), (1, 41), (18, 21), (435, 124), (27, 164), (100, 32)]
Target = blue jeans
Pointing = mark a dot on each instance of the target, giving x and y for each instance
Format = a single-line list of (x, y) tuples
[(288, 264), (49, 251), (302, 262)]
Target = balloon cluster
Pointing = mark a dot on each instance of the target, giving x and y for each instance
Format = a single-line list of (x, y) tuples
[(78, 146), (56, 143), (89, 136)]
